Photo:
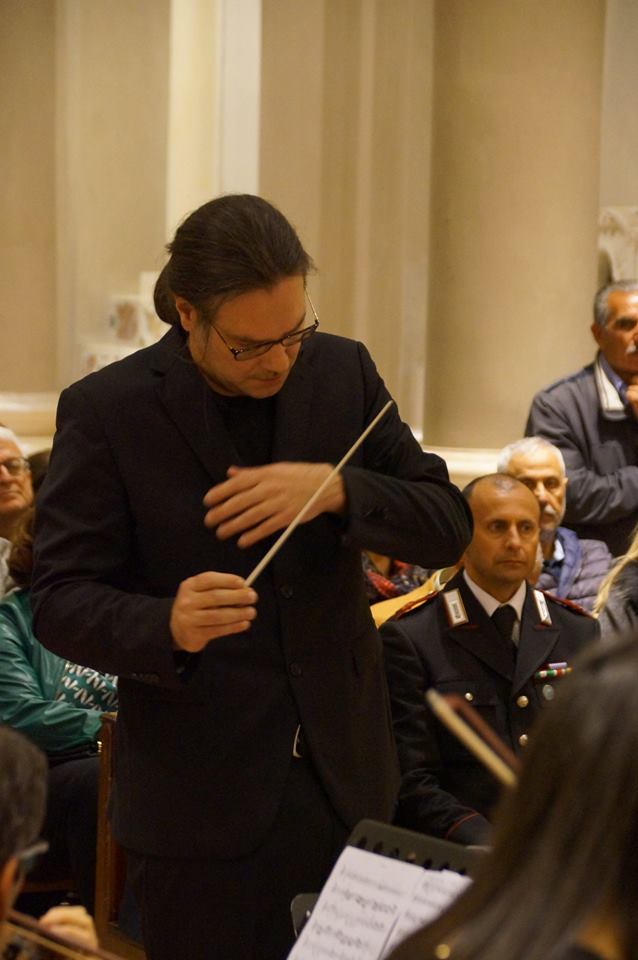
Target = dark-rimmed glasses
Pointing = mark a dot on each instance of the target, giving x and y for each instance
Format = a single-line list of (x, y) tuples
[(258, 349), (15, 466)]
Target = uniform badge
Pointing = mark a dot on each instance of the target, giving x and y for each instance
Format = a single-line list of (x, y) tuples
[(454, 608), (541, 606)]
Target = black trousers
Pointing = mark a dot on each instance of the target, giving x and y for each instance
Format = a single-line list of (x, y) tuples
[(240, 909), (71, 827)]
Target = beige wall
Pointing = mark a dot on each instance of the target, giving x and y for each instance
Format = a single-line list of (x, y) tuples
[(439, 157), (27, 237), (345, 152), (619, 164), (112, 95), (515, 185)]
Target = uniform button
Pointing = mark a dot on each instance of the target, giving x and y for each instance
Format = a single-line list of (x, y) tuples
[(295, 670), (469, 696), (523, 739), (286, 591), (522, 701), (548, 691)]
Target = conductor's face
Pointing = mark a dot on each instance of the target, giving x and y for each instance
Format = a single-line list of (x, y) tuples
[(242, 326)]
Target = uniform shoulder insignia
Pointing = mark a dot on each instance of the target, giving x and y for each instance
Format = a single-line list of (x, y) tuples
[(568, 604), (414, 604)]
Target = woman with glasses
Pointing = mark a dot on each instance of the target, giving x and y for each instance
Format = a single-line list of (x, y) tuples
[(16, 496), (561, 882), (58, 705)]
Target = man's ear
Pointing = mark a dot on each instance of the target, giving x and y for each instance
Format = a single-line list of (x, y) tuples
[(7, 886), (597, 332), (188, 314)]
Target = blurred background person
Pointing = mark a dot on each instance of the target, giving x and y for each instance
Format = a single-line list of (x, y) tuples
[(16, 496), (572, 569), (58, 705), (561, 882), (617, 602), (22, 806)]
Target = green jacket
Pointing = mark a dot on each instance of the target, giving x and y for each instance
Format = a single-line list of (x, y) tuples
[(29, 681)]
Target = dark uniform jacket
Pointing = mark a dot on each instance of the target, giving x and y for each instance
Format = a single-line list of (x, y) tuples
[(600, 448), (443, 785), (204, 742)]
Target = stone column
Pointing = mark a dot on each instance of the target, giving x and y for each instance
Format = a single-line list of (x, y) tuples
[(515, 196)]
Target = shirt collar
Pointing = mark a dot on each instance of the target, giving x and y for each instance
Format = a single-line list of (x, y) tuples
[(612, 389), (490, 603)]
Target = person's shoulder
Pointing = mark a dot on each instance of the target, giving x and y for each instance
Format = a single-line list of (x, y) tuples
[(566, 609), (129, 370), (573, 381)]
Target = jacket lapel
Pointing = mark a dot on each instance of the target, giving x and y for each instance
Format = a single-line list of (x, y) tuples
[(293, 412), (536, 642), (479, 636), (183, 393)]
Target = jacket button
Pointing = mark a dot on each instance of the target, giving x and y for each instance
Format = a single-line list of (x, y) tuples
[(523, 739), (286, 591), (469, 696), (522, 701), (296, 670)]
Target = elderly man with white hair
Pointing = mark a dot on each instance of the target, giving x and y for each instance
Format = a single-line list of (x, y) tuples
[(16, 496), (572, 568)]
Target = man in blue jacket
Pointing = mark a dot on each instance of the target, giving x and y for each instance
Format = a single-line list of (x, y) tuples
[(572, 568)]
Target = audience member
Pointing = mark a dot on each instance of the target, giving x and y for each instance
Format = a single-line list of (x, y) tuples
[(16, 496), (386, 578), (385, 609), (58, 705), (490, 638), (23, 780), (561, 882), (252, 727), (617, 602), (591, 417), (572, 568)]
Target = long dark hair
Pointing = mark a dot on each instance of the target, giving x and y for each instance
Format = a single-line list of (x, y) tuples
[(565, 844), (227, 247)]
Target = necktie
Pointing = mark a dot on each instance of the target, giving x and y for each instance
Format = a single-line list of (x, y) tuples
[(504, 619)]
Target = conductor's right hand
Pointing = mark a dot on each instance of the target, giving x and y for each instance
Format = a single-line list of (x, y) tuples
[(208, 606)]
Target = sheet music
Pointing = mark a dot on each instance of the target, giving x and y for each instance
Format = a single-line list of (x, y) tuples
[(433, 893), (368, 903)]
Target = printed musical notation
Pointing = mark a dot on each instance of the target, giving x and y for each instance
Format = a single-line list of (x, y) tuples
[(369, 903)]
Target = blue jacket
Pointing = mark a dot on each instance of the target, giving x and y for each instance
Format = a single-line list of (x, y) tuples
[(578, 577)]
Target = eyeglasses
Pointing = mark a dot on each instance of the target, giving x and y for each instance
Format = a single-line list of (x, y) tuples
[(26, 858), (15, 466), (258, 349)]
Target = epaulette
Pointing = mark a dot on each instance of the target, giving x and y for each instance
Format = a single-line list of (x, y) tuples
[(568, 604), (414, 605)]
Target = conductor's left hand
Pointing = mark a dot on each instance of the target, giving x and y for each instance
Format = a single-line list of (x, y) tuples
[(257, 501)]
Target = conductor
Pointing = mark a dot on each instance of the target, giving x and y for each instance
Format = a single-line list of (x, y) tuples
[(254, 728)]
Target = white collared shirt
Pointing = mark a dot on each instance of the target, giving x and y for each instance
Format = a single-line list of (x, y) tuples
[(490, 603)]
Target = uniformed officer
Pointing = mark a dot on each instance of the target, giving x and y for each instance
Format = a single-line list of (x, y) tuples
[(489, 637)]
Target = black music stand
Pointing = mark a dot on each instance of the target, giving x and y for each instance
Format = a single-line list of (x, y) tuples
[(398, 844)]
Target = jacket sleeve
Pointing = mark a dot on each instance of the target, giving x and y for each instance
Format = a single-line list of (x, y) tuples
[(84, 542), (400, 501), (423, 804), (53, 725), (592, 497)]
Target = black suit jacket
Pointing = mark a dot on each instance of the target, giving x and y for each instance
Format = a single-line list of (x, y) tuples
[(204, 742), (443, 785)]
